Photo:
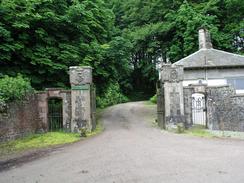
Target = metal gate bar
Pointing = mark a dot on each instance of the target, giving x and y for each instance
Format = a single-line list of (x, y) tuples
[(55, 114), (199, 110)]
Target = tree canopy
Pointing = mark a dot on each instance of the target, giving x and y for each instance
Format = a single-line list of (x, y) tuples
[(122, 40)]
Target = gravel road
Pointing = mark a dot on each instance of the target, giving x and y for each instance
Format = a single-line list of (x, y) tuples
[(132, 150)]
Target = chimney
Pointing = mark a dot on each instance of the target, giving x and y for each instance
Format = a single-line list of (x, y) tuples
[(204, 39)]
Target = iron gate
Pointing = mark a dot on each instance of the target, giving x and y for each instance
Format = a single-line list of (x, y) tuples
[(55, 114), (198, 109)]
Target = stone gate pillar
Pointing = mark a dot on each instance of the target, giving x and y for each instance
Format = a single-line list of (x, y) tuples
[(80, 80), (172, 86)]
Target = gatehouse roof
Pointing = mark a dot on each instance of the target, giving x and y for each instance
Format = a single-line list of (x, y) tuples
[(207, 56), (211, 58)]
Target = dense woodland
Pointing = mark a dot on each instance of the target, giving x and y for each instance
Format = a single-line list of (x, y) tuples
[(122, 40)]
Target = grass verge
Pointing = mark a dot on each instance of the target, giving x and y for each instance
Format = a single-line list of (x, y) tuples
[(99, 129), (36, 141), (199, 131), (148, 102)]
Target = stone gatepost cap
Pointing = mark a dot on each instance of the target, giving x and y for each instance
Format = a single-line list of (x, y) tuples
[(80, 67), (80, 75), (172, 73)]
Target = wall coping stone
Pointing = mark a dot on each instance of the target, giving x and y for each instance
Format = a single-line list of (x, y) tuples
[(221, 86), (238, 95), (56, 89), (197, 84), (84, 67)]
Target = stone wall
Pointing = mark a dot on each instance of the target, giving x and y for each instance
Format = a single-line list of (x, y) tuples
[(19, 119), (31, 114), (188, 91), (160, 106), (225, 109), (93, 107), (43, 97)]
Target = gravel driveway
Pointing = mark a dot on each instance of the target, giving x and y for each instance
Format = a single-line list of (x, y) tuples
[(131, 150)]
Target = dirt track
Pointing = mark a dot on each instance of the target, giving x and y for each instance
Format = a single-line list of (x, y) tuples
[(131, 150)]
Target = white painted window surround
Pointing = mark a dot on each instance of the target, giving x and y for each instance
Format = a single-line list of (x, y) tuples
[(210, 82), (240, 91)]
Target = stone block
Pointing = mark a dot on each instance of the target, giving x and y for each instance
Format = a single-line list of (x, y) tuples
[(80, 75), (172, 73)]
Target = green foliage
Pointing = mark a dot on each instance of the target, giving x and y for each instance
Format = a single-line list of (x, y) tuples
[(14, 88), (112, 95), (41, 39), (37, 141), (153, 99), (83, 132), (180, 128), (186, 22), (199, 131), (99, 128), (168, 29), (111, 63), (123, 40)]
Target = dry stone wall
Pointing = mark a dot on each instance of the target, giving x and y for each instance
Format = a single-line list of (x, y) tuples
[(225, 109)]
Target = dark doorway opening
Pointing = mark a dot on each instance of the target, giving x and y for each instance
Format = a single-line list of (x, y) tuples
[(55, 114)]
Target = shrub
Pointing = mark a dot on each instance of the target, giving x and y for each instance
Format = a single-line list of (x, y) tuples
[(83, 132), (180, 128), (153, 99), (111, 96), (13, 88)]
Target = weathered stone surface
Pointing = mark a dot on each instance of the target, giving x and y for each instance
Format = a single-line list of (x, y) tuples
[(204, 39), (93, 107), (225, 109), (188, 91), (81, 80), (172, 73), (160, 107), (20, 119), (80, 75), (172, 92), (43, 98)]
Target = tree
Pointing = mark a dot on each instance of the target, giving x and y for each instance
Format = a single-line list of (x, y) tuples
[(168, 30), (41, 39)]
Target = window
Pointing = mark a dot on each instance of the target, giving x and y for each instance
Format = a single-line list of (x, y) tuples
[(238, 83)]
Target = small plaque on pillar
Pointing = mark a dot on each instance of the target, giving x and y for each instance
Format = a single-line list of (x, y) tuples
[(80, 75)]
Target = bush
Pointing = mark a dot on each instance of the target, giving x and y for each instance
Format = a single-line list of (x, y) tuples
[(112, 96), (13, 88), (153, 99), (180, 128)]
